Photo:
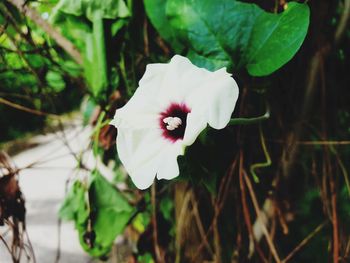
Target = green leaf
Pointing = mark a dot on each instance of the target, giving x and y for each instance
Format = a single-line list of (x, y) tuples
[(276, 38), (109, 9), (102, 220), (117, 26), (235, 34), (74, 205), (55, 80), (111, 213), (105, 196), (72, 68), (73, 27), (155, 10), (36, 60)]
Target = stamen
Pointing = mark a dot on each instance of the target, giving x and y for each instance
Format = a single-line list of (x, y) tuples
[(167, 119), (172, 123), (177, 121)]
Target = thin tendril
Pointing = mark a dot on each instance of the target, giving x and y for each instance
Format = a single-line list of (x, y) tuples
[(267, 163)]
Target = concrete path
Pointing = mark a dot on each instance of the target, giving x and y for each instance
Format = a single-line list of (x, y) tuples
[(43, 187)]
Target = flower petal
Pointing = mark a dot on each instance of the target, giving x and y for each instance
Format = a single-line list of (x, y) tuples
[(196, 123), (134, 120), (169, 168), (216, 99), (180, 79), (140, 151), (142, 111), (153, 73)]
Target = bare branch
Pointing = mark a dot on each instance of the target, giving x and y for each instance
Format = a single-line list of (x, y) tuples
[(23, 108)]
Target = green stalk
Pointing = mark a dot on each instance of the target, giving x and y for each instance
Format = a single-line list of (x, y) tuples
[(100, 79)]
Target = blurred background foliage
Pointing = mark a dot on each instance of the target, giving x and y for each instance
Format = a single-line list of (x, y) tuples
[(231, 203)]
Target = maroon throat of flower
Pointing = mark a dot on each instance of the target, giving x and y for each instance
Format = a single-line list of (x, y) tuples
[(173, 120)]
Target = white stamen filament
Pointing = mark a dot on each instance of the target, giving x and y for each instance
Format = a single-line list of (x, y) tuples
[(172, 123)]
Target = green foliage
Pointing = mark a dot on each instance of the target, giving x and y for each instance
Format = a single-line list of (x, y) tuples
[(141, 221), (146, 258), (55, 80), (111, 213), (89, 17), (276, 38), (71, 68), (167, 208), (108, 9), (88, 106), (100, 217), (31, 72), (74, 206), (238, 35), (156, 11)]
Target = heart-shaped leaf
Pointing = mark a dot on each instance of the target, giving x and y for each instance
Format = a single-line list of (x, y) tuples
[(231, 33)]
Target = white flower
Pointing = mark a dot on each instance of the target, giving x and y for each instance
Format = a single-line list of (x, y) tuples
[(172, 105)]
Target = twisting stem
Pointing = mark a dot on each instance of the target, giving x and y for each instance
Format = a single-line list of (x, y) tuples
[(267, 163)]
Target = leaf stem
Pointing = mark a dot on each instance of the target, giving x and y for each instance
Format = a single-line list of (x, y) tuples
[(247, 121)]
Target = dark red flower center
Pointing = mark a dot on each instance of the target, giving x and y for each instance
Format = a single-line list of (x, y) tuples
[(173, 120)]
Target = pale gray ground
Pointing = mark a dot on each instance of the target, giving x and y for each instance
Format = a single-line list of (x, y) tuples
[(43, 187)]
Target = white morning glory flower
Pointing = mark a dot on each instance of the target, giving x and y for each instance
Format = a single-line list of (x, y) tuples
[(172, 105)]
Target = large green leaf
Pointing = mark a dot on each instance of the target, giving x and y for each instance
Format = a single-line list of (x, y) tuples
[(276, 38), (111, 212), (101, 219), (155, 10), (235, 34)]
